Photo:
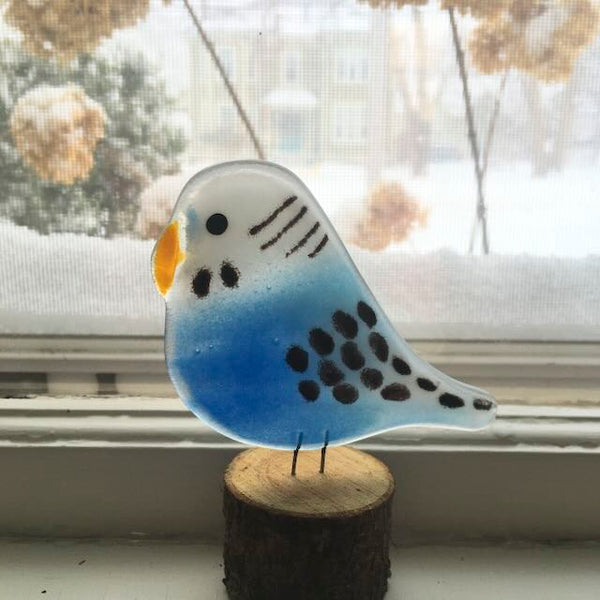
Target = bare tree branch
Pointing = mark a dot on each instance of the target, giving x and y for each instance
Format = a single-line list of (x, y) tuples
[(487, 148), (472, 133), (492, 125), (230, 89)]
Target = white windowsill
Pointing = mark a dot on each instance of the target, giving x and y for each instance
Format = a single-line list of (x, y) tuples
[(127, 467), (149, 422), (160, 570)]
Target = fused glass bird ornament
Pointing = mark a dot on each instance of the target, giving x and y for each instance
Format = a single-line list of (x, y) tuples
[(272, 336)]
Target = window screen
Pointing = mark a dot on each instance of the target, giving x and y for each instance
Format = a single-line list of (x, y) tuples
[(454, 145)]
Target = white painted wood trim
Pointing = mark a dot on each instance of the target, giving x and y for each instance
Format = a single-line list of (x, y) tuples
[(517, 372), (172, 570), (125, 467), (165, 422), (77, 352), (81, 465)]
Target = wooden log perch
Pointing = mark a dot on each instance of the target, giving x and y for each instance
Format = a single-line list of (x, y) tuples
[(310, 537)]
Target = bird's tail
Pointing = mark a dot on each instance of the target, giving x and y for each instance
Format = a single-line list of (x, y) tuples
[(459, 404)]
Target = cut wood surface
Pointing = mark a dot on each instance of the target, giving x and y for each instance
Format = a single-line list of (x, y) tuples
[(313, 536), (353, 481)]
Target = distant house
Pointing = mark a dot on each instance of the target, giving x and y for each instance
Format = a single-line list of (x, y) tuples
[(304, 74)]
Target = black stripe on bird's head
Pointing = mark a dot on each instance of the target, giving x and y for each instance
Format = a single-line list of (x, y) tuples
[(239, 221)]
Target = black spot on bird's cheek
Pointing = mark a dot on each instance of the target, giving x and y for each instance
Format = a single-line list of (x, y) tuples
[(201, 283), (229, 275), (345, 324), (217, 224), (351, 356), (321, 341), (345, 393), (451, 401), (426, 384), (371, 378), (396, 392), (329, 373), (379, 346), (366, 313), (309, 389), (401, 366), (297, 358), (481, 404)]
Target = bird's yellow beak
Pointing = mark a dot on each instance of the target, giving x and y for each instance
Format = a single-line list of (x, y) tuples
[(167, 255)]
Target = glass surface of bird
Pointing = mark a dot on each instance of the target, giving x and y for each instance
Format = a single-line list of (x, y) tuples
[(272, 336)]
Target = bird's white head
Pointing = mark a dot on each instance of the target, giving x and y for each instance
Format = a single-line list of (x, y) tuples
[(231, 223)]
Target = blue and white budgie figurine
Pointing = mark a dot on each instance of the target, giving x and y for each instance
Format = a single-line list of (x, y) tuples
[(272, 336)]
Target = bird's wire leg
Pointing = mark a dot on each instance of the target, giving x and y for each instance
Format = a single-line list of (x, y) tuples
[(295, 457), (324, 452)]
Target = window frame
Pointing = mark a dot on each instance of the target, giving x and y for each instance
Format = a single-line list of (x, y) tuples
[(351, 66), (145, 467), (293, 59), (131, 460), (568, 373)]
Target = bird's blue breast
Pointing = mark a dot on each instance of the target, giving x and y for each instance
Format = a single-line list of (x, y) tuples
[(228, 360)]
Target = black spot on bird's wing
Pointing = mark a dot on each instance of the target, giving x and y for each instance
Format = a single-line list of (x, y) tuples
[(201, 282), (345, 324), (260, 226), (366, 313), (329, 373), (396, 392), (321, 341), (451, 401), (297, 358), (345, 393), (401, 366), (371, 378), (426, 384), (481, 404), (351, 356), (229, 275), (379, 346), (309, 389)]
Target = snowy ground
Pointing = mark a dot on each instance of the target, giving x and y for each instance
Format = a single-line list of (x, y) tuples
[(556, 215), (542, 280)]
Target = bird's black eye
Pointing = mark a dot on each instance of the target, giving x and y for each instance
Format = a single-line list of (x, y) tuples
[(216, 224)]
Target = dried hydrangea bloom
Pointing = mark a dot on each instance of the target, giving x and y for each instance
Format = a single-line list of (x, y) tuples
[(394, 3), (477, 8), (491, 44), (542, 37), (56, 130), (391, 215), (66, 28)]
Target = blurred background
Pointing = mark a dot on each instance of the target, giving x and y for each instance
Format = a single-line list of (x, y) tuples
[(455, 145)]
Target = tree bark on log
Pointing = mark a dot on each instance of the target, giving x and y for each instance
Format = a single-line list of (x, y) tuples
[(309, 537)]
